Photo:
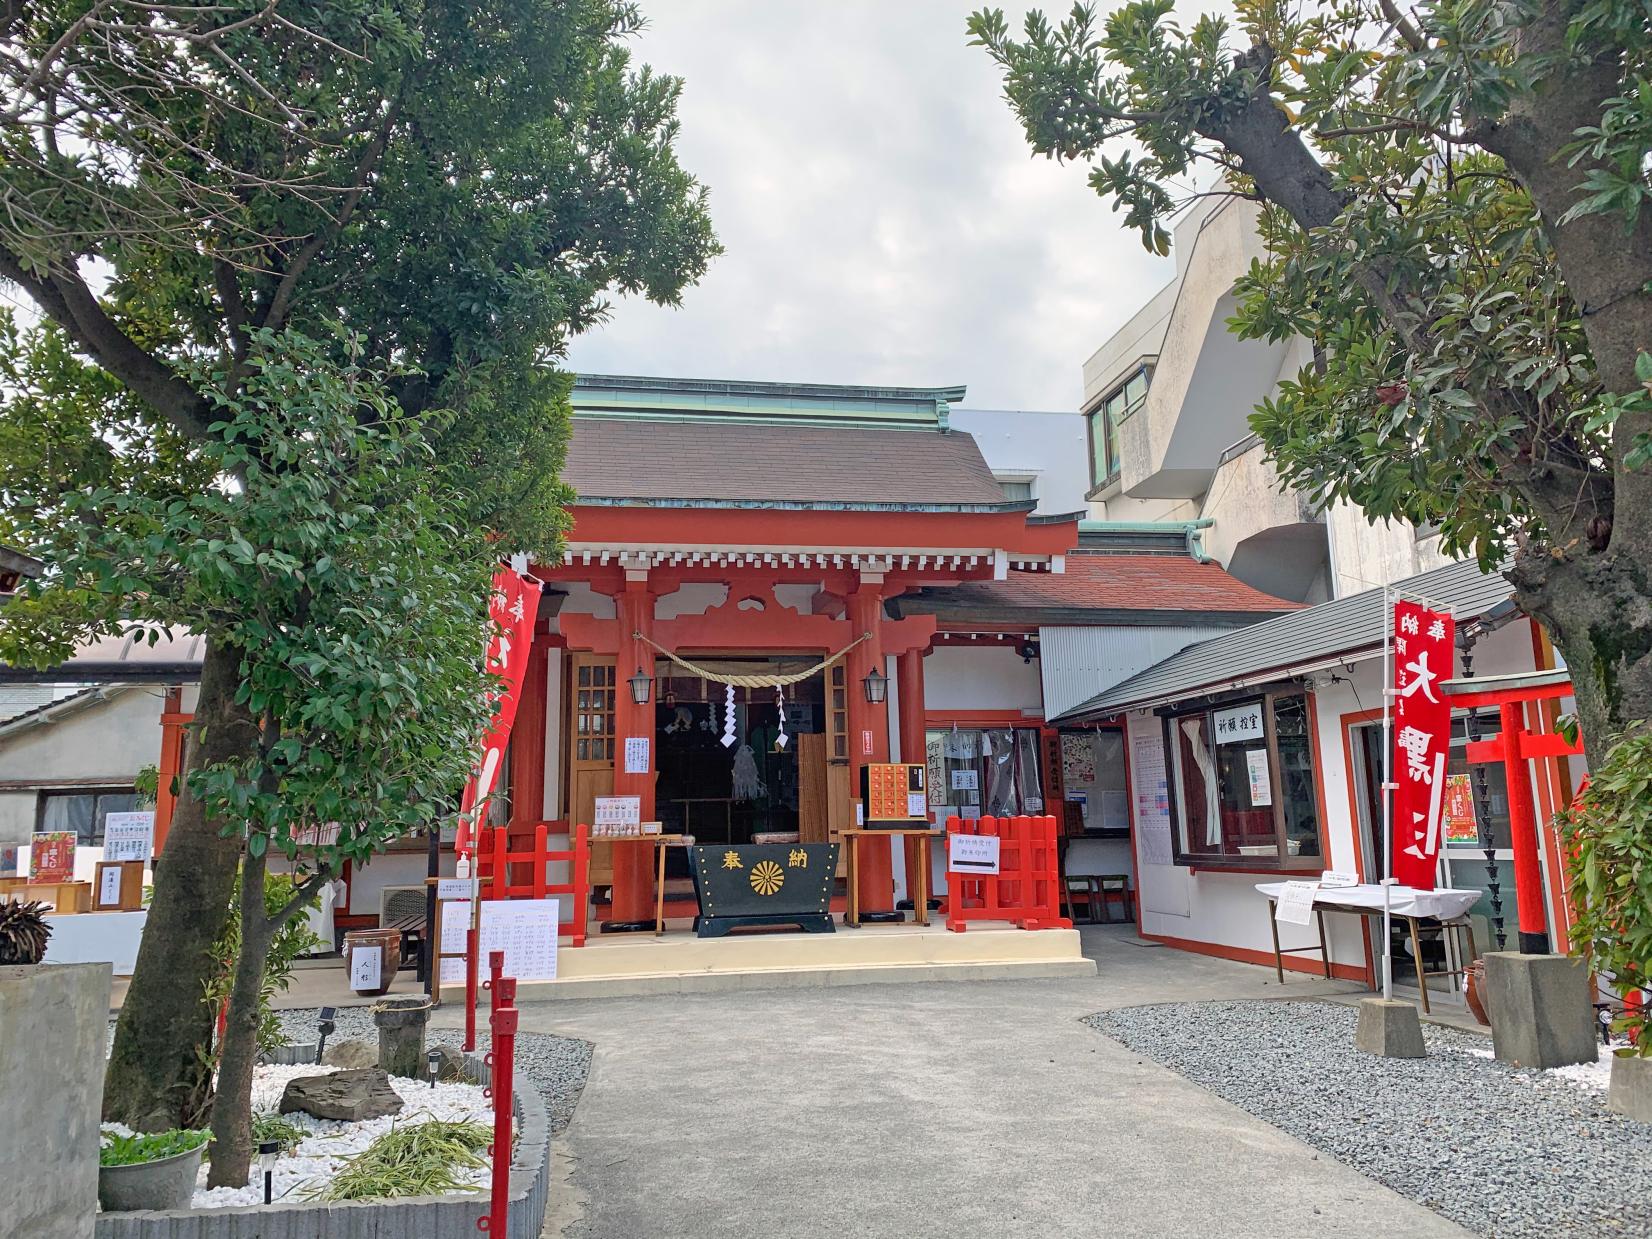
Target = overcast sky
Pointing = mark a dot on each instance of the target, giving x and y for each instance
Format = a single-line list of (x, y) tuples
[(883, 218)]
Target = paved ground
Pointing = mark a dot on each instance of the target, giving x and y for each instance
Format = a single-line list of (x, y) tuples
[(970, 1109)]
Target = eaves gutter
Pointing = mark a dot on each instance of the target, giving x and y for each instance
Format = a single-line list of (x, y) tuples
[(109, 673)]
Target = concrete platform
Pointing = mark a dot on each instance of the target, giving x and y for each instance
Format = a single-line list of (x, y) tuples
[(624, 965)]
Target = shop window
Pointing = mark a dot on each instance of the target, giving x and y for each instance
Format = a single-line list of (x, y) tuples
[(1094, 781), (992, 772), (84, 811), (1242, 780)]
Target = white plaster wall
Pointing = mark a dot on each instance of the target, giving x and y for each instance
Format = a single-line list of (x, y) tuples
[(1364, 556), (583, 600), (1127, 508), (694, 598), (390, 869), (957, 677)]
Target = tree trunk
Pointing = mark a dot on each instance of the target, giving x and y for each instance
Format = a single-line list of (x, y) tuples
[(237, 1055), (160, 1071), (1597, 609)]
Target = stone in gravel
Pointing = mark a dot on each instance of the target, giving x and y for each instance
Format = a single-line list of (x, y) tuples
[(348, 1096), (452, 1067), (353, 1053)]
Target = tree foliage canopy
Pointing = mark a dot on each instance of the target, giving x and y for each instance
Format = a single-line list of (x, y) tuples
[(1455, 208)]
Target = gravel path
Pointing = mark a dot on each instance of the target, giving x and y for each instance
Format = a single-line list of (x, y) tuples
[(1502, 1151), (557, 1065)]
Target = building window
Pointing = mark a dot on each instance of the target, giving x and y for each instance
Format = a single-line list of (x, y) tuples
[(1242, 783), (1018, 488), (84, 811), (1104, 421), (991, 772), (1094, 783)]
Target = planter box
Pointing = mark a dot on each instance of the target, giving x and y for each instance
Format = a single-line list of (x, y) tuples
[(428, 1217), (166, 1183)]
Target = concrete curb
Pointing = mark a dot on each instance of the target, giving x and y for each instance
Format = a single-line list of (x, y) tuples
[(534, 994), (429, 1217)]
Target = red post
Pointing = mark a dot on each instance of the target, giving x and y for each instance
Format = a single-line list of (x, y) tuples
[(541, 845), (502, 1064), (582, 881), (496, 972), (1528, 869)]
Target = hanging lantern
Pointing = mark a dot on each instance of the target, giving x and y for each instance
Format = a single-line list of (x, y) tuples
[(640, 686), (876, 685)]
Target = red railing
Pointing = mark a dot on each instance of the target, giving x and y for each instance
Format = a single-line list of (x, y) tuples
[(501, 1061), (494, 857), (1026, 890)]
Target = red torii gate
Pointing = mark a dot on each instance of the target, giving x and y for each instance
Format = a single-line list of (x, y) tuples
[(1513, 747)]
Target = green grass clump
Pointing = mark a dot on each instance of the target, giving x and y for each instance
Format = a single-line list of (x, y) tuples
[(147, 1146), (268, 1126), (418, 1160)]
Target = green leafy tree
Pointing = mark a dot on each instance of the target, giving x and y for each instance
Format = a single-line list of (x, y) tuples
[(196, 192), (1456, 213)]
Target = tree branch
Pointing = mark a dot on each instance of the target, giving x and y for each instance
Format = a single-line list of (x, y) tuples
[(67, 301)]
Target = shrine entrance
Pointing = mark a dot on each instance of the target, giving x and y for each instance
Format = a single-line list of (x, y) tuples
[(770, 781)]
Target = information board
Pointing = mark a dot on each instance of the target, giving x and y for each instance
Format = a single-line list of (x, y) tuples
[(972, 853), (129, 836), (524, 929), (612, 811), (1152, 800)]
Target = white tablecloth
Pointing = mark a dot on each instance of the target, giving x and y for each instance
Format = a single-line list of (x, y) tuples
[(1445, 904), (96, 938)]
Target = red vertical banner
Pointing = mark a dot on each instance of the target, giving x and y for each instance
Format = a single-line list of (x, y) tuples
[(513, 608), (1424, 658)]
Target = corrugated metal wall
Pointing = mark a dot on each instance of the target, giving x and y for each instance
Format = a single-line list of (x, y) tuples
[(1078, 663)]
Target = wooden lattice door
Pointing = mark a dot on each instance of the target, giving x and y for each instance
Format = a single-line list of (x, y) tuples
[(590, 731)]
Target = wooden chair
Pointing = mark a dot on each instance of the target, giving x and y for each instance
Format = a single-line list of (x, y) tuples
[(1111, 886), (1087, 886)]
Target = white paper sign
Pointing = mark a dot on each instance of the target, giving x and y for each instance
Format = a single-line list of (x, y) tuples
[(366, 964), (617, 811), (1240, 723), (109, 888), (1261, 786), (1296, 903), (452, 888), (916, 805), (1338, 877), (1152, 801), (972, 853), (636, 754), (965, 780), (1034, 804), (524, 929), (129, 836)]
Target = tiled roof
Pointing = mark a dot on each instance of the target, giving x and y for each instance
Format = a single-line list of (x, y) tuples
[(1356, 624), (611, 460), (1103, 584)]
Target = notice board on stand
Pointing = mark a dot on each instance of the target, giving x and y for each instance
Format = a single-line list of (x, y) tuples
[(524, 929)]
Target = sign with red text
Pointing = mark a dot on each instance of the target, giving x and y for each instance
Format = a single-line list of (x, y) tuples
[(52, 856), (513, 608), (1423, 661)]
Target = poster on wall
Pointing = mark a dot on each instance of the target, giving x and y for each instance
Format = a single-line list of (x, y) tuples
[(1461, 825), (1152, 801), (52, 856), (1239, 723), (1261, 786), (1078, 760), (935, 751), (636, 754)]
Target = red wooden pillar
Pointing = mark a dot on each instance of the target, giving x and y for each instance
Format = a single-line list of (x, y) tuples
[(633, 902), (909, 674), (171, 765), (1528, 869), (869, 742)]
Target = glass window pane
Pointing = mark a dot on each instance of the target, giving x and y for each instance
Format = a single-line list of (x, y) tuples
[(1223, 784), (1296, 776), (71, 812), (1029, 783), (1135, 389), (1092, 769)]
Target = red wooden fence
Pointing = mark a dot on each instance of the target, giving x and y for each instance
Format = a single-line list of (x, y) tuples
[(1026, 890), (507, 874)]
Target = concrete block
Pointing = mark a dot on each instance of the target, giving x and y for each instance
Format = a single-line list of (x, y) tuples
[(1390, 1029), (1630, 1091), (1540, 1008), (53, 1022)]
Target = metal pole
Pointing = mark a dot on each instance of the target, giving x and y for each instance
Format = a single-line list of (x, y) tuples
[(501, 1064), (1388, 797), (433, 872)]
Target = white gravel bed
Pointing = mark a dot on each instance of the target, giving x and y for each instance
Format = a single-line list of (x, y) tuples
[(557, 1066), (321, 1154), (1502, 1151)]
